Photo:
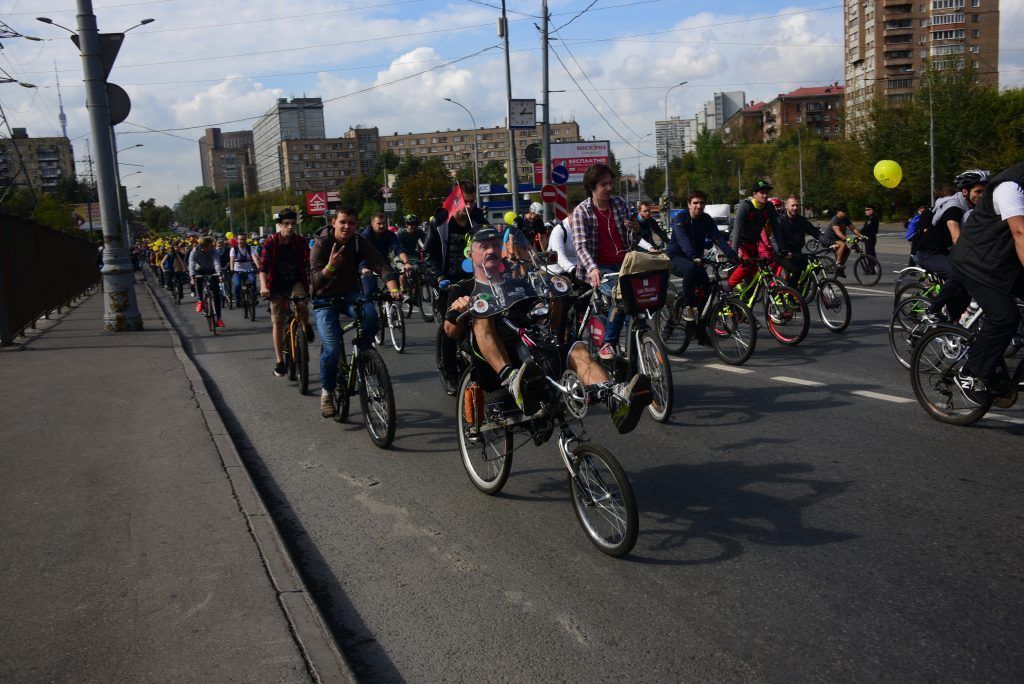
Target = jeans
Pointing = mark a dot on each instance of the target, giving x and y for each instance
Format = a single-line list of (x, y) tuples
[(693, 276), (616, 317), (999, 321), (326, 311), (237, 280), (952, 294)]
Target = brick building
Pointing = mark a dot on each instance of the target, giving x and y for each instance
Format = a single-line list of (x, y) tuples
[(46, 161), (228, 157), (819, 109), (314, 164)]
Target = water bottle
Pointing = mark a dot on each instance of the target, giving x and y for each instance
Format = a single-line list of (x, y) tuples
[(968, 315)]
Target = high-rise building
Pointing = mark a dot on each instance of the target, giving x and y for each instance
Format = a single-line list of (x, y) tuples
[(302, 118), (455, 147), (228, 157), (888, 42), (315, 164), (673, 137), (36, 163)]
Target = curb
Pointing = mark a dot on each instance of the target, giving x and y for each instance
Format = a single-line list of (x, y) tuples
[(318, 647)]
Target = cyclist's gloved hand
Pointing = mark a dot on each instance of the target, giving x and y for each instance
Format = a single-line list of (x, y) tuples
[(443, 284)]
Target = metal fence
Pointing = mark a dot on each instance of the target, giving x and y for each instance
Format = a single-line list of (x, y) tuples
[(40, 270)]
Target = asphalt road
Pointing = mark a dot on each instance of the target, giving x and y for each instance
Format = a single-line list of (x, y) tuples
[(800, 519)]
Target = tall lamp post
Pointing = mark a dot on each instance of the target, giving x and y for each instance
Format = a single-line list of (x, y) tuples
[(476, 158), (677, 85)]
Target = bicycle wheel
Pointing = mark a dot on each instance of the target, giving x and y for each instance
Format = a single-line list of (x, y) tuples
[(669, 323), (732, 331), (937, 357), (911, 291), (426, 301), (867, 270), (252, 306), (812, 245), (382, 323), (342, 391), (377, 398), (785, 312), (396, 326), (834, 306), (809, 288), (209, 318), (302, 359), (654, 364), (906, 329), (603, 501), (486, 454), (179, 292)]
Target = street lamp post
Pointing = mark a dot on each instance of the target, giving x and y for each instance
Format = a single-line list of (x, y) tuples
[(476, 158), (677, 85)]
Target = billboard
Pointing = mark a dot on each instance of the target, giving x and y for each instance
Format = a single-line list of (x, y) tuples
[(575, 157), (83, 220)]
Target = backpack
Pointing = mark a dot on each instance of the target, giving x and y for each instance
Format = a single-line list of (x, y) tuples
[(917, 225)]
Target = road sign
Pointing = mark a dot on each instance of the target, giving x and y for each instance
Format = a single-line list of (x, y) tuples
[(119, 102), (532, 153), (316, 203), (560, 175), (386, 191), (561, 202), (390, 207), (548, 194)]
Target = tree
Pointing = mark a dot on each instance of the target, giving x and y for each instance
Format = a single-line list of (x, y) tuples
[(653, 182), (422, 185), (494, 172)]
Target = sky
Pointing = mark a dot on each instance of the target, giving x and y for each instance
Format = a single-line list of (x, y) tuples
[(391, 63)]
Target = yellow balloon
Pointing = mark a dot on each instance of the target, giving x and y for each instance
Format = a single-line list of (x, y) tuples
[(888, 173), (229, 235), (510, 218)]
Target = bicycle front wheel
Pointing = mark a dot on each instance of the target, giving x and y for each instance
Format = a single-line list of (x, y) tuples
[(867, 270), (834, 305), (377, 398), (382, 322), (426, 301), (342, 391), (933, 366), (732, 331), (669, 323), (396, 326), (906, 328), (603, 501), (654, 364), (302, 359), (486, 453), (289, 354), (785, 312)]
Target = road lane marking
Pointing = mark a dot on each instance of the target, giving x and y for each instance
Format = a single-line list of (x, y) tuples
[(678, 359), (1005, 419), (729, 369), (798, 381), (882, 397), (864, 290), (880, 325)]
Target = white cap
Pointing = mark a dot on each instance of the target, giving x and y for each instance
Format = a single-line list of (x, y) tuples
[(537, 208)]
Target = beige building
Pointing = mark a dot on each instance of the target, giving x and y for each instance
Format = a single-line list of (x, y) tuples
[(888, 42), (46, 161), (455, 147), (228, 157), (315, 164)]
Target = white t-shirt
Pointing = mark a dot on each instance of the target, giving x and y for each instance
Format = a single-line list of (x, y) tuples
[(560, 241), (1008, 200), (243, 259)]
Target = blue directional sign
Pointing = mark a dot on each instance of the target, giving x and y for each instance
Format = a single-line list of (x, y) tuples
[(559, 175)]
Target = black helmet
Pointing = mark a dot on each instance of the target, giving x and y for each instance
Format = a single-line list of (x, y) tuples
[(762, 186), (411, 219), (968, 179), (285, 215)]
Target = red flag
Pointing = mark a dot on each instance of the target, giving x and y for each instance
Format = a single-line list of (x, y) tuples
[(455, 202)]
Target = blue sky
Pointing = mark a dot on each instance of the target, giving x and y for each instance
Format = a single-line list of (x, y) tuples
[(204, 63)]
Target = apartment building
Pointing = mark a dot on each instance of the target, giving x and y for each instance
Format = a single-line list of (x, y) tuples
[(455, 147), (301, 118), (315, 164), (820, 109), (39, 163), (228, 157), (673, 138), (889, 41)]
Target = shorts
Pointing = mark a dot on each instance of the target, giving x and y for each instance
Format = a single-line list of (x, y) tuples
[(279, 303)]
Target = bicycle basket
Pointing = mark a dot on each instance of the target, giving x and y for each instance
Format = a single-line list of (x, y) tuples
[(643, 291)]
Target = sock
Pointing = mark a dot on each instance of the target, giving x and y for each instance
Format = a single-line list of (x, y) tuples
[(506, 373)]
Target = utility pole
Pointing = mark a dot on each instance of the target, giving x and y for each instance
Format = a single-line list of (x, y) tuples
[(800, 152), (545, 126), (512, 171), (931, 134), (121, 311), (92, 184)]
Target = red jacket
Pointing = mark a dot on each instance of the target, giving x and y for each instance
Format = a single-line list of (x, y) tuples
[(268, 259)]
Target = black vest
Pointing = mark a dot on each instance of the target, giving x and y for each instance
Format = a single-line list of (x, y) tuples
[(986, 252)]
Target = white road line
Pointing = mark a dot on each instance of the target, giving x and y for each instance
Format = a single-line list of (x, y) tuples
[(880, 325), (729, 369), (679, 359), (882, 397), (798, 381), (864, 290), (1005, 419)]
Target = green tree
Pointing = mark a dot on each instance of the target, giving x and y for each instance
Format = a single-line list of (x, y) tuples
[(494, 172), (422, 185)]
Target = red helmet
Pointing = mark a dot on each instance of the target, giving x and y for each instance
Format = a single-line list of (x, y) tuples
[(776, 202)]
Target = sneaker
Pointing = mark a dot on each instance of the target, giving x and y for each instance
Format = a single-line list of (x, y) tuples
[(310, 335), (840, 272), (689, 314), (606, 352), (521, 385), (220, 323), (973, 388), (327, 405), (199, 307), (629, 401), (280, 369), (930, 319)]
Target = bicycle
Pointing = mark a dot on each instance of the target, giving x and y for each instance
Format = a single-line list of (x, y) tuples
[(785, 311), (866, 268), (925, 284), (365, 373), (642, 295), (816, 283), (226, 295), (417, 292), (247, 300), (389, 313), (178, 286), (487, 422), (723, 322), (209, 285), (296, 346)]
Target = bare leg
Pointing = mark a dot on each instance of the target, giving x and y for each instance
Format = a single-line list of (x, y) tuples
[(589, 371), (489, 344), (277, 333)]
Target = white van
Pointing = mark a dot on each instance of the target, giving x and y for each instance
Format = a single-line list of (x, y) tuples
[(721, 214)]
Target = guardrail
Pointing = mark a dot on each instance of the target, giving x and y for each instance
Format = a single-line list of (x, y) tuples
[(41, 270)]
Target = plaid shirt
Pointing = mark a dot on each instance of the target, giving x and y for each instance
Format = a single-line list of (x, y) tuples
[(583, 226)]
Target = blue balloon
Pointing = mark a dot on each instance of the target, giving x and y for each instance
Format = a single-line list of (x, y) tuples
[(467, 265)]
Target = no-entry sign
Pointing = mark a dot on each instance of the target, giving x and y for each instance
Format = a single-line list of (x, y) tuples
[(548, 194)]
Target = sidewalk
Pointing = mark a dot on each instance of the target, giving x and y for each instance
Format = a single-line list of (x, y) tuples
[(132, 544)]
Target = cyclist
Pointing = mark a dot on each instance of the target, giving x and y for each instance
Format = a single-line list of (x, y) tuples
[(492, 342), (386, 243), (690, 230), (175, 266), (754, 227), (793, 231), (989, 255), (602, 232), (284, 274), (411, 239), (242, 266), (335, 274), (938, 238), (834, 236), (204, 260), (531, 224), (652, 237)]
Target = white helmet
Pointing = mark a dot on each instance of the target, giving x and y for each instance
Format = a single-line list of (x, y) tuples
[(537, 208)]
